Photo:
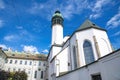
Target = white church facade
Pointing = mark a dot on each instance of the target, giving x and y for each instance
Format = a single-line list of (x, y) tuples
[(80, 56)]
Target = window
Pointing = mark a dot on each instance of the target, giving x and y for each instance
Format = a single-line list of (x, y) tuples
[(10, 61), (35, 75), (28, 72), (20, 62), (30, 63), (25, 62), (34, 63), (44, 64), (6, 61), (24, 70), (19, 69), (74, 57), (15, 61), (96, 77), (88, 52), (39, 63), (41, 74), (8, 69), (14, 69)]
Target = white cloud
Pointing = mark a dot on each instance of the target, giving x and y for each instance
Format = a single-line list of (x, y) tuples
[(3, 46), (97, 8), (45, 51), (19, 27), (116, 34), (114, 21), (30, 49), (2, 5), (9, 37), (94, 15)]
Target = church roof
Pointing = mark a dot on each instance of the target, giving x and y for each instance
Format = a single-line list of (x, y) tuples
[(57, 13), (88, 24)]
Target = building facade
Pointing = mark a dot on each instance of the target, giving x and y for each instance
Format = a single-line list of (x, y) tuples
[(3, 58), (33, 64), (86, 45)]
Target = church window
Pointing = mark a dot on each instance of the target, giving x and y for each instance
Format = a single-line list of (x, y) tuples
[(74, 57), (88, 52)]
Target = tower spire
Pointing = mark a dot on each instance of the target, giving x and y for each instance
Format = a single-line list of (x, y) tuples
[(57, 18), (57, 28)]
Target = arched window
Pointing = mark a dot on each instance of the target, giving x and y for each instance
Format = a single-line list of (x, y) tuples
[(88, 52), (74, 57)]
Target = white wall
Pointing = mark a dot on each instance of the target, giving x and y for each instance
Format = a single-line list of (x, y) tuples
[(102, 39), (57, 34), (108, 67), (2, 59), (103, 42), (62, 61), (29, 69)]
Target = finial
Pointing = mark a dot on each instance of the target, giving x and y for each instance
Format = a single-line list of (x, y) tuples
[(57, 11)]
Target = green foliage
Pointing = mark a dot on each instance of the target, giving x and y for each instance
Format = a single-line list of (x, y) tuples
[(18, 75), (4, 75)]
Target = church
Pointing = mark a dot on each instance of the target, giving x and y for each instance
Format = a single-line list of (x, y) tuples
[(85, 55)]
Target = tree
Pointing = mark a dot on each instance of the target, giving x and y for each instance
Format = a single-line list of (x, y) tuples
[(4, 75), (18, 75)]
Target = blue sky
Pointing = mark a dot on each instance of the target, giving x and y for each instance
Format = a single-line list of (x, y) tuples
[(25, 25)]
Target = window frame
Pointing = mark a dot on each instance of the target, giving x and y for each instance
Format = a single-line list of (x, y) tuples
[(89, 56)]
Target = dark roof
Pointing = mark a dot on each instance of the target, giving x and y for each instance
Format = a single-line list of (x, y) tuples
[(88, 24), (22, 55)]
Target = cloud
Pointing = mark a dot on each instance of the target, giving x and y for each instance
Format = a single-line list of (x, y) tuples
[(45, 51), (114, 21), (3, 46), (21, 35), (2, 4), (30, 49), (116, 34), (97, 8), (9, 37), (19, 27)]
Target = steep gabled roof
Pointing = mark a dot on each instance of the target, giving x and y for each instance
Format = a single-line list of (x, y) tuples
[(88, 24)]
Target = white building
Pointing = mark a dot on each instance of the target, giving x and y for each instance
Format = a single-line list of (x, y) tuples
[(3, 57), (33, 64), (85, 46)]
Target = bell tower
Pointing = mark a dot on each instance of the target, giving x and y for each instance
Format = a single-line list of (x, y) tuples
[(57, 28)]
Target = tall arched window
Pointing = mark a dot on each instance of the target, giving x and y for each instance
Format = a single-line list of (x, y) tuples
[(88, 52), (74, 57)]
